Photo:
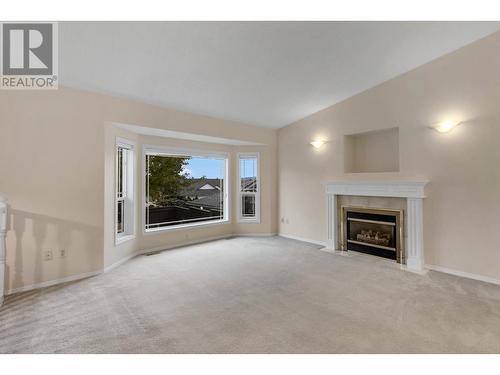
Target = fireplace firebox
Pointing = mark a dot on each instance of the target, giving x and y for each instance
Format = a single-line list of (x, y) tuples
[(373, 231)]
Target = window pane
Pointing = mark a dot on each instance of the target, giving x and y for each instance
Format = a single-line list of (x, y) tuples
[(121, 175), (119, 216), (248, 174), (183, 190), (119, 182), (124, 215), (248, 205)]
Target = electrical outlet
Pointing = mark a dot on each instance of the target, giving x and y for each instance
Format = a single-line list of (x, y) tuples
[(282, 220), (47, 255), (62, 253)]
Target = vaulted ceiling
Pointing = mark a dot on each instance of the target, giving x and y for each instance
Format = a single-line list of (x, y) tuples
[(262, 73)]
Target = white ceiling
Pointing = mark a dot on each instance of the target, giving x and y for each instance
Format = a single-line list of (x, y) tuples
[(262, 73)]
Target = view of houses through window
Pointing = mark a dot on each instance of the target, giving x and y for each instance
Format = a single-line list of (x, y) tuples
[(249, 187), (184, 189)]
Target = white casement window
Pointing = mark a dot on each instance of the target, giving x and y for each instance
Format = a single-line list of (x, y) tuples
[(124, 192), (248, 188), (184, 189)]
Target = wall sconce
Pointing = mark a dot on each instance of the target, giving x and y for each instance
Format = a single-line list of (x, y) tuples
[(446, 126), (318, 143)]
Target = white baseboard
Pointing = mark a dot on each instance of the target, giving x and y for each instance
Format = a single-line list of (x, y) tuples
[(254, 234), (467, 275), (405, 267), (182, 244), (120, 262), (200, 241), (320, 243), (45, 284), (332, 251)]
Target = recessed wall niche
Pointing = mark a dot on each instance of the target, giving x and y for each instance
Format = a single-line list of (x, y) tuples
[(372, 152)]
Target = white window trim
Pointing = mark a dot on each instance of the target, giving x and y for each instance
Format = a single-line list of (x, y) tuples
[(241, 219), (129, 218), (171, 151)]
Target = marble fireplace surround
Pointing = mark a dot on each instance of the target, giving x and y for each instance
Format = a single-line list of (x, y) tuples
[(411, 189)]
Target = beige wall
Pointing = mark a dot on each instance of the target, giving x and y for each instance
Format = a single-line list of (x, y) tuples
[(51, 170), (360, 151), (57, 170), (462, 211)]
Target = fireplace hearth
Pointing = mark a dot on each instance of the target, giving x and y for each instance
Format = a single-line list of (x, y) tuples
[(373, 231)]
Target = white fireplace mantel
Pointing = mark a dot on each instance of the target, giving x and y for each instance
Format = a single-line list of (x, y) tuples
[(413, 189)]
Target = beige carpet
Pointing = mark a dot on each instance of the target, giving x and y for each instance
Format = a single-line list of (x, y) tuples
[(255, 295)]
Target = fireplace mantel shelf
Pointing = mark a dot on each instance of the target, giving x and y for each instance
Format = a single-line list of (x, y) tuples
[(413, 189), (404, 188)]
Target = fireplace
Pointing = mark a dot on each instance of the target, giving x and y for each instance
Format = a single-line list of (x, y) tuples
[(373, 231), (410, 247)]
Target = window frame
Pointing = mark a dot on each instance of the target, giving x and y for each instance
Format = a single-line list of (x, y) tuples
[(173, 151), (128, 216), (242, 219)]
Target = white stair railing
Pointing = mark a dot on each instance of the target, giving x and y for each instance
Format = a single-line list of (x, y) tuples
[(3, 231)]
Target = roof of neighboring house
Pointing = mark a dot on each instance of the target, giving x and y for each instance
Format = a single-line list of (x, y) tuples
[(202, 187), (249, 183)]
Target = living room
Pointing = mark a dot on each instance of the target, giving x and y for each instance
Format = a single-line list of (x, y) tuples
[(250, 187)]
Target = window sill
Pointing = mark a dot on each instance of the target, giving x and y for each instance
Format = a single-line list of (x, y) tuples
[(121, 239), (185, 226)]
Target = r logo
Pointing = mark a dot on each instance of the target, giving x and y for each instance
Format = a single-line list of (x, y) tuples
[(27, 49)]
